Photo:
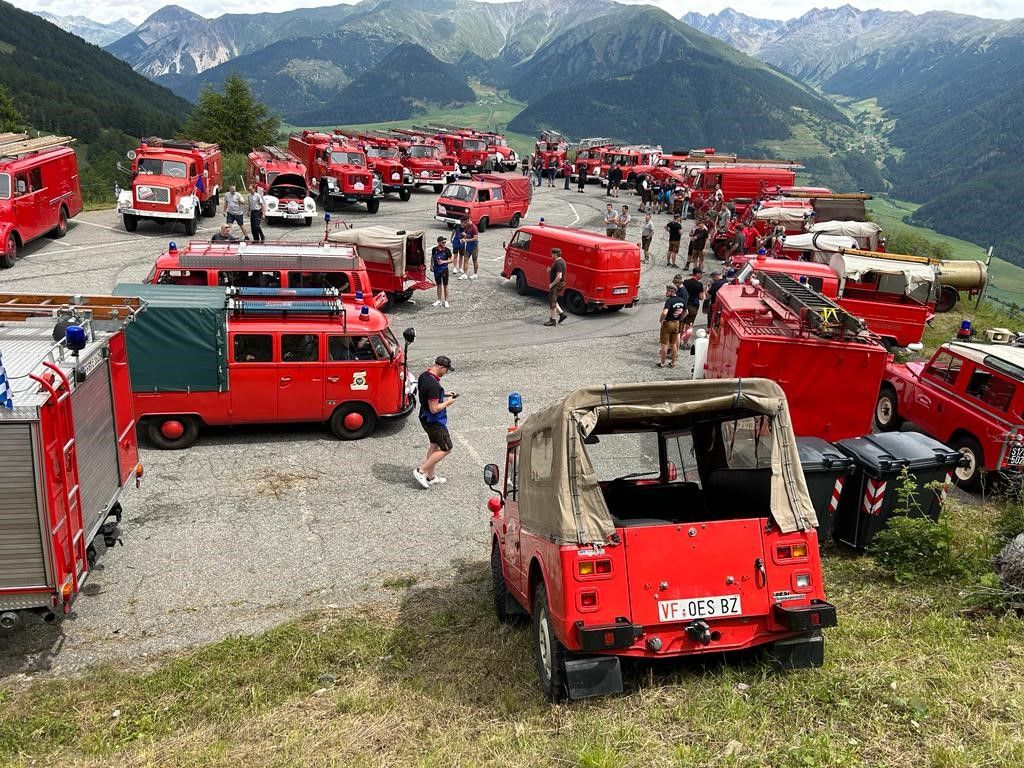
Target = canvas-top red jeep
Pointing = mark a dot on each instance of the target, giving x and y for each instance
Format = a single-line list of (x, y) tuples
[(970, 396), (652, 521)]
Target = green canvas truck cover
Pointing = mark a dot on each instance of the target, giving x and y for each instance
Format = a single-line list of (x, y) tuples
[(182, 344)]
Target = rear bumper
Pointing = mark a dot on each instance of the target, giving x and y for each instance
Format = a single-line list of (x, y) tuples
[(285, 216), (608, 637), (409, 408), (805, 618)]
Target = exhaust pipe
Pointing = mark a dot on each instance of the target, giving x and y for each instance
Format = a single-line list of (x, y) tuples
[(8, 620), (46, 615)]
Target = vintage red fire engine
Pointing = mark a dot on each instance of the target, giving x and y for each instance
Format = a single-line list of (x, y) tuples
[(810, 345), (283, 176), (969, 396), (67, 445), (39, 190), (550, 148), (654, 521), (449, 162), (262, 355), (171, 181), (335, 171), (384, 159), (501, 156), (471, 151), (589, 159)]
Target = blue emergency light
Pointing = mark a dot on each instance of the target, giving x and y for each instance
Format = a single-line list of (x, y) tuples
[(515, 403), (75, 338), (364, 313), (965, 332), (172, 246), (359, 297)]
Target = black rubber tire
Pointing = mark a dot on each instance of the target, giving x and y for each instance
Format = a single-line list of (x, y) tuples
[(482, 226), (404, 194), (9, 255), (575, 302), (192, 225), (62, 224), (309, 221), (969, 478), (130, 221), (947, 300), (514, 221), (187, 438), (342, 432), (548, 652), (438, 188), (499, 590), (522, 287), (372, 206), (887, 418)]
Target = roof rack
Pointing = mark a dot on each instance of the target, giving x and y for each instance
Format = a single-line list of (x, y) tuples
[(156, 141), (277, 301), (825, 317), (279, 154), (909, 257), (21, 306), (18, 145), (593, 142)]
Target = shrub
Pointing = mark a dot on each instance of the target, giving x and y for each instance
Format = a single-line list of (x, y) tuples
[(915, 548)]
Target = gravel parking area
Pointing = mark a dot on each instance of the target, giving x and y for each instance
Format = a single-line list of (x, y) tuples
[(254, 525)]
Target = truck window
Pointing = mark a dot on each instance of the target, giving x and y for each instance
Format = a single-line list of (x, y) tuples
[(748, 443), (35, 179), (541, 455), (522, 241), (483, 196), (348, 158), (680, 455), (337, 280), (345, 348), (300, 347), (945, 367), (995, 391), (247, 279), (192, 170), (183, 277), (21, 185), (625, 455), (5, 186), (496, 194), (254, 348), (512, 473)]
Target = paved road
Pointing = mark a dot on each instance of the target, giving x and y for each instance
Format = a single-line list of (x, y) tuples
[(255, 525)]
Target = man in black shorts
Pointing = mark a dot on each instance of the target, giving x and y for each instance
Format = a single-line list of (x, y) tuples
[(434, 406), (556, 284)]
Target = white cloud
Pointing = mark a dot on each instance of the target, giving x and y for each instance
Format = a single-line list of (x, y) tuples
[(776, 9)]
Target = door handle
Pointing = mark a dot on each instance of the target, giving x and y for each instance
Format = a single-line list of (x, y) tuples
[(285, 379), (334, 379)]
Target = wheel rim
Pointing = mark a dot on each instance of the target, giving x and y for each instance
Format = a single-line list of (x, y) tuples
[(172, 429), (11, 248), (544, 640), (353, 421), (883, 411), (966, 473)]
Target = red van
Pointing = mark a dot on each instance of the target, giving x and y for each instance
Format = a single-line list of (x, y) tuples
[(601, 272), (39, 190), (487, 199)]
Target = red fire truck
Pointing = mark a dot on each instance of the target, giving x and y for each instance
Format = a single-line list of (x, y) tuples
[(589, 158), (418, 144), (261, 355), (39, 190), (550, 147), (654, 521), (783, 330), (384, 160), (501, 156), (741, 184), (628, 158), (171, 181), (395, 259), (283, 176), (335, 171), (67, 445), (471, 151), (487, 199)]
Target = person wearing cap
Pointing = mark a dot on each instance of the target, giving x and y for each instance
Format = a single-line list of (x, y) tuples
[(672, 315), (440, 258), (694, 295), (434, 404), (556, 284), (471, 239), (717, 281)]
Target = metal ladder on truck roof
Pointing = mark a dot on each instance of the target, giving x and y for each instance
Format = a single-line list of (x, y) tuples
[(21, 306), (825, 317), (15, 145)]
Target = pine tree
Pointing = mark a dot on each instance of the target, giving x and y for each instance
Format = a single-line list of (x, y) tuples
[(10, 118), (233, 119)]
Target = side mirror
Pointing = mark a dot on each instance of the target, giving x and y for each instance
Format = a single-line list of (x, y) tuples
[(409, 334), (491, 475)]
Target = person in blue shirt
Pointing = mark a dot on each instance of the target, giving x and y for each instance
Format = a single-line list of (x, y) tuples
[(440, 258), (434, 405)]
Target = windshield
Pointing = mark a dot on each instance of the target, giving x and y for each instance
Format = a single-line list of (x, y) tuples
[(5, 186), (348, 158), (474, 145), (458, 192), (422, 150), (390, 341), (625, 455), (154, 166), (382, 152)]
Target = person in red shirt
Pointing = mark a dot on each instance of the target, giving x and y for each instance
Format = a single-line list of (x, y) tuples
[(750, 238)]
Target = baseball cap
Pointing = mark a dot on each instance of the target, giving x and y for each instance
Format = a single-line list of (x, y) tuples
[(441, 239), (444, 361), (698, 271)]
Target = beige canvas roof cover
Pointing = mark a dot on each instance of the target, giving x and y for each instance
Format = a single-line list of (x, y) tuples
[(378, 244), (788, 215), (855, 267), (559, 496), (866, 232), (818, 242)]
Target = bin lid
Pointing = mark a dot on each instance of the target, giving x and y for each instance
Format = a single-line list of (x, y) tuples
[(890, 451), (817, 455)]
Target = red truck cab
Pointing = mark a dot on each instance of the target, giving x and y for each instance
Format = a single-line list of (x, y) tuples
[(589, 162), (471, 151), (424, 162), (487, 199), (628, 158), (601, 272), (550, 148), (335, 171), (39, 190), (637, 521), (172, 180), (283, 179), (261, 356), (969, 396)]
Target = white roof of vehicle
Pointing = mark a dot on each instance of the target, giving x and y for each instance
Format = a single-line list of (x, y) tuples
[(818, 242), (788, 215), (855, 267), (979, 352), (867, 229)]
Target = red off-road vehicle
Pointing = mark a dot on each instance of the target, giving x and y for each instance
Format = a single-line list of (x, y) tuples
[(654, 521)]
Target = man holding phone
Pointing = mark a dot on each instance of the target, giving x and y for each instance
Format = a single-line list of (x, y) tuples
[(434, 404)]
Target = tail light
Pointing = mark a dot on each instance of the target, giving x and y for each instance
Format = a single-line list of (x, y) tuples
[(594, 567), (796, 551), (588, 599)]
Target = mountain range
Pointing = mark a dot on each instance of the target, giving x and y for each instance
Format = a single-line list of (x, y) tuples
[(95, 32)]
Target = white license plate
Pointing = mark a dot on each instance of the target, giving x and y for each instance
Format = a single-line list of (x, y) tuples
[(1016, 456), (619, 291), (293, 215), (699, 608)]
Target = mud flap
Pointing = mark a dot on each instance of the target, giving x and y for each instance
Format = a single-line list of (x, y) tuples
[(593, 676), (801, 652)]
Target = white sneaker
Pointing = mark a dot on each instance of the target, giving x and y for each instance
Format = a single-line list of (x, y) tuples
[(463, 276), (473, 276), (456, 270), (446, 305), (437, 480), (420, 478), (437, 303)]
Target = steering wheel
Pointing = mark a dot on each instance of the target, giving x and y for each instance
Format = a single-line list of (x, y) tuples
[(176, 173)]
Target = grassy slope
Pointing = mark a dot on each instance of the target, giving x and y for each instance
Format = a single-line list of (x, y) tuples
[(908, 682)]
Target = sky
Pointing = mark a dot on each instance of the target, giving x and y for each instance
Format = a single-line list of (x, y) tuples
[(774, 9)]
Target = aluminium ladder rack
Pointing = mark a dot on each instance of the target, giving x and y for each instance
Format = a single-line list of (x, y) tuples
[(21, 306), (823, 315)]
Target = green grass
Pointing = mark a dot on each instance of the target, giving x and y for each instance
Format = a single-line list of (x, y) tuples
[(909, 681)]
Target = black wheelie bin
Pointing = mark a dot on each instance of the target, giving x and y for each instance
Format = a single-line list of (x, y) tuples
[(825, 469), (870, 498)]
